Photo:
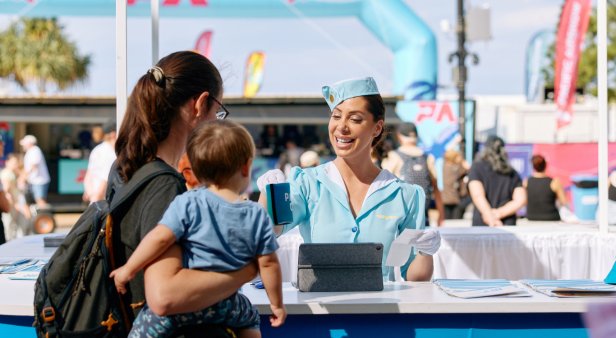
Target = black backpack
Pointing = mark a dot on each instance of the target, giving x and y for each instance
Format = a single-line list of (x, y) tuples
[(415, 170), (73, 295)]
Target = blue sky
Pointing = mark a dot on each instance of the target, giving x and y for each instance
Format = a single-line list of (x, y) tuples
[(304, 54)]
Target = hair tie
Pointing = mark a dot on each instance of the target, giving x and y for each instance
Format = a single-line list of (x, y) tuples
[(159, 75)]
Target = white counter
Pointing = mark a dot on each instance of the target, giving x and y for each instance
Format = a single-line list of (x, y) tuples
[(402, 309), (404, 297), (413, 297), (16, 296)]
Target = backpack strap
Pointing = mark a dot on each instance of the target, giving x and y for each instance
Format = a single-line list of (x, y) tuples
[(48, 315), (117, 199), (141, 177)]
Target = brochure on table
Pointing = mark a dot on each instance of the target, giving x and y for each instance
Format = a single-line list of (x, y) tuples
[(476, 288), (21, 268), (571, 287)]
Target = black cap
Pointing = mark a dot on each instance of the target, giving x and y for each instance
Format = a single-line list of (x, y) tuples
[(408, 129), (109, 126)]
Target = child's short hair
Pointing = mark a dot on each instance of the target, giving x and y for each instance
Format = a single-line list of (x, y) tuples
[(218, 149)]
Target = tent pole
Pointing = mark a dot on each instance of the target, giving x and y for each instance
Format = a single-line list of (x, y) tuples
[(603, 116), (121, 54), (155, 16)]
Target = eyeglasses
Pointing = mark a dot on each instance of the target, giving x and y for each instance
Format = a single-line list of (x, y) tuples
[(223, 112)]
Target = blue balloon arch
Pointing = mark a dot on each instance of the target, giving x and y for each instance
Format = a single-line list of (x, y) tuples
[(392, 22)]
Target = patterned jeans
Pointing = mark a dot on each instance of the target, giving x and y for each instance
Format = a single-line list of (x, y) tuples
[(235, 311)]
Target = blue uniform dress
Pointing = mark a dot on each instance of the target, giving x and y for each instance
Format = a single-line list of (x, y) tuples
[(215, 235), (322, 211)]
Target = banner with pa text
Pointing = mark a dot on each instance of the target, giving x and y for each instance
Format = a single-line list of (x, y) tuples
[(571, 32)]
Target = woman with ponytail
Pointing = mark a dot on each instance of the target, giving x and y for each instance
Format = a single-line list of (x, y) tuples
[(495, 187), (167, 103)]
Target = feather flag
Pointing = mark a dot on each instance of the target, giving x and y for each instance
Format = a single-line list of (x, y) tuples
[(202, 46), (253, 75), (571, 31)]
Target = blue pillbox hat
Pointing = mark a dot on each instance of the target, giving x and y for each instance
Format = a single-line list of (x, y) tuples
[(347, 89)]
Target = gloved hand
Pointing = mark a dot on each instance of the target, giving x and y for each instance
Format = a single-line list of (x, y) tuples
[(270, 176), (429, 242)]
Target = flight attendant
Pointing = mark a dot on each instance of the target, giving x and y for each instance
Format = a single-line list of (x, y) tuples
[(349, 199)]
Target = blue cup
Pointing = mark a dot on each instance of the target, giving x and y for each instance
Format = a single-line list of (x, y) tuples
[(279, 203)]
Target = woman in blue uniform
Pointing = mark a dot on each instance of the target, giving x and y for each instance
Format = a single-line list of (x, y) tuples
[(350, 199)]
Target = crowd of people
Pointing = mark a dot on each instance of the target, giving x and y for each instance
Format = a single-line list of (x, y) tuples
[(25, 182)]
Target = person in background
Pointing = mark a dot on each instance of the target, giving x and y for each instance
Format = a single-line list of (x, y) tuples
[(309, 158), (455, 193), (293, 151), (84, 136), (185, 168), (289, 158), (283, 163), (4, 207), (99, 165), (411, 164), (222, 152), (350, 199), (182, 90), (611, 196), (15, 221), (97, 135), (35, 169), (495, 187), (4, 203), (543, 193), (269, 141)]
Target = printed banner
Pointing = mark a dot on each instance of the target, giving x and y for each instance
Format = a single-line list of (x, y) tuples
[(536, 60), (253, 75), (571, 31), (70, 175), (202, 46), (437, 123)]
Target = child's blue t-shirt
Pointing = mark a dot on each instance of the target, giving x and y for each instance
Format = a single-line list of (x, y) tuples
[(217, 235)]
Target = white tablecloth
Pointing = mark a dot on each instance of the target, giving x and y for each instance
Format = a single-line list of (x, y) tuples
[(547, 251)]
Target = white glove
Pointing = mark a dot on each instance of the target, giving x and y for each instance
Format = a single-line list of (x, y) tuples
[(270, 176), (429, 242)]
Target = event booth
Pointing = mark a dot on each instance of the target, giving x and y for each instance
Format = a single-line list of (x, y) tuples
[(405, 309), (402, 309)]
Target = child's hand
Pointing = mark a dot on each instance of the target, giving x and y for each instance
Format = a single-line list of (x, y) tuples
[(279, 314), (121, 276)]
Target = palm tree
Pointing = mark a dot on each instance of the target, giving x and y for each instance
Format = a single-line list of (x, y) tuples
[(35, 51)]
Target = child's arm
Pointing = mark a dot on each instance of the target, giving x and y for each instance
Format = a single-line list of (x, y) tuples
[(269, 269), (154, 244)]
